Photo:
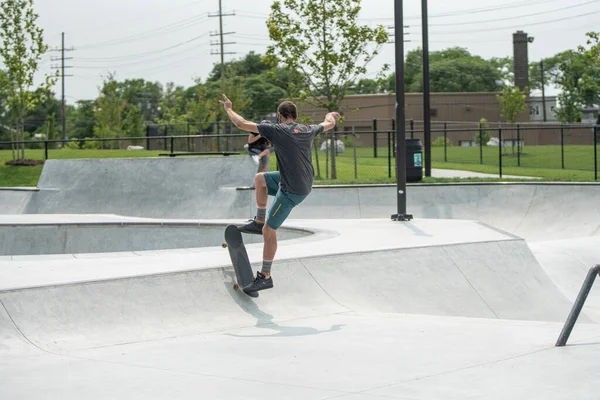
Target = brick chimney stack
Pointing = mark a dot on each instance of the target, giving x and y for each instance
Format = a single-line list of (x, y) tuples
[(521, 59)]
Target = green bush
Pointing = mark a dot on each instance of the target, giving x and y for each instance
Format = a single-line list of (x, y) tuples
[(91, 145), (349, 141), (72, 145), (484, 135), (439, 142)]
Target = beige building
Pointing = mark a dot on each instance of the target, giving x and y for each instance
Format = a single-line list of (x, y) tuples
[(455, 111)]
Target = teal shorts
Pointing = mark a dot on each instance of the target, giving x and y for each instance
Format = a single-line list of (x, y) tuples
[(284, 201)]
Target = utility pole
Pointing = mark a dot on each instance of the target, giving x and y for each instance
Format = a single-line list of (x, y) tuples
[(401, 214), (62, 66), (426, 91), (220, 42)]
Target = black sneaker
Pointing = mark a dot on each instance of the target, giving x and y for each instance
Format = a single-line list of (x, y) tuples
[(253, 227), (259, 283)]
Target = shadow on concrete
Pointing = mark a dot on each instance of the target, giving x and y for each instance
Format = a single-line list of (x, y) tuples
[(265, 320)]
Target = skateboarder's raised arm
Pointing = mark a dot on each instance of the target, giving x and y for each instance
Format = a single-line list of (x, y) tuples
[(237, 119), (330, 120)]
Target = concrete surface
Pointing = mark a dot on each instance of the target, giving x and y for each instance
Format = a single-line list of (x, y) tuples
[(453, 173), (342, 356), (205, 188), (464, 302), (54, 234), (142, 187)]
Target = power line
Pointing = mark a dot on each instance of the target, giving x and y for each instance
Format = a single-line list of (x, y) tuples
[(173, 27), (517, 26), (516, 17), (518, 4), (137, 17), (139, 58)]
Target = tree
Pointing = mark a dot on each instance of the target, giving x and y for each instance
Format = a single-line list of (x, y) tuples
[(570, 98), (82, 119), (143, 94), (591, 76), (323, 45), (21, 51), (132, 121), (455, 70), (262, 95), (552, 70), (109, 108), (250, 64), (36, 117), (512, 101)]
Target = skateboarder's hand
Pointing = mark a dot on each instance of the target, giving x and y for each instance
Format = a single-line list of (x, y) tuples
[(226, 103), (336, 116)]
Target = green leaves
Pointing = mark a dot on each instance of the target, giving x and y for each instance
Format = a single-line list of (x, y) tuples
[(323, 42), (513, 103), (20, 52), (455, 70)]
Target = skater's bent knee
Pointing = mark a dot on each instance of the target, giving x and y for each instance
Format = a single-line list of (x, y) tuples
[(269, 232)]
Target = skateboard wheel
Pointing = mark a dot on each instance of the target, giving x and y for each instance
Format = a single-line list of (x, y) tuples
[(224, 245), (236, 286)]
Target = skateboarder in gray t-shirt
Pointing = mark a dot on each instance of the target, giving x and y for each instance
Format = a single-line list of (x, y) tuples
[(290, 185)]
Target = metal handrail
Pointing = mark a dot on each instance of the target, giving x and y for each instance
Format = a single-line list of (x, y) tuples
[(574, 314)]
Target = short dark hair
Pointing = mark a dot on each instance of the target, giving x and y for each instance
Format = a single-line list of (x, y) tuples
[(287, 109)]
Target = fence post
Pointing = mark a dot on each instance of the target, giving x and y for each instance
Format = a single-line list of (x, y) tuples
[(518, 145), (327, 156), (374, 137), (595, 152), (46, 149), (148, 137), (394, 137), (172, 144), (480, 144), (334, 154), (317, 158), (445, 142), (354, 146), (389, 154), (562, 147), (500, 151), (412, 128), (578, 305)]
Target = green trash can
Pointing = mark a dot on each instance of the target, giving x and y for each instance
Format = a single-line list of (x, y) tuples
[(414, 160)]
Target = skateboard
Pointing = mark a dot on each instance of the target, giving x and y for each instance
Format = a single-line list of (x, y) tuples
[(239, 258)]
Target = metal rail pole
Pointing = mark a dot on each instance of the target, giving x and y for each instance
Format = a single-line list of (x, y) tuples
[(574, 314)]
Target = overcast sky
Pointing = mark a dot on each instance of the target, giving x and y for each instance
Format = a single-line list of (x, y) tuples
[(169, 41)]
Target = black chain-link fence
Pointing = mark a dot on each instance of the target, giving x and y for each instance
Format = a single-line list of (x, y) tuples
[(365, 150)]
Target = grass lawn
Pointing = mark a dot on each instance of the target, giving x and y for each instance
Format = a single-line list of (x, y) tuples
[(540, 161), (19, 176)]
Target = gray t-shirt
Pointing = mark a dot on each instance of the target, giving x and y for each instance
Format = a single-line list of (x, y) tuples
[(293, 143)]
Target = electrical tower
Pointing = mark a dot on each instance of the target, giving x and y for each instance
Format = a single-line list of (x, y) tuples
[(62, 67), (220, 42)]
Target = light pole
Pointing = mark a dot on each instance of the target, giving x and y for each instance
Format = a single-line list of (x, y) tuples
[(426, 92), (400, 115)]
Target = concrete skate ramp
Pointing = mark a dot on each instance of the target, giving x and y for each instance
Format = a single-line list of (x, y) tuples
[(12, 342), (485, 280), (567, 262), (534, 211), (14, 200), (149, 187), (72, 238), (205, 187)]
